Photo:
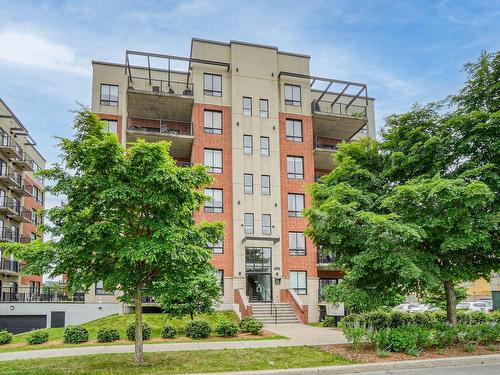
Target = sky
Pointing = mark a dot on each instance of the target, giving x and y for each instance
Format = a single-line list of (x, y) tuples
[(405, 51)]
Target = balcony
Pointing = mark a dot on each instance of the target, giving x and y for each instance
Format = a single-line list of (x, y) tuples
[(6, 235), (179, 133), (324, 261), (9, 267), (25, 163), (9, 147), (323, 151), (46, 295), (13, 210), (338, 119), (12, 180)]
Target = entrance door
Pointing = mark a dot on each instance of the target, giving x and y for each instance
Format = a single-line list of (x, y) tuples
[(258, 274)]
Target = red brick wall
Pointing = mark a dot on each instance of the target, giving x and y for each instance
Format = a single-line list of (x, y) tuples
[(299, 224), (302, 313), (221, 180), (116, 118)]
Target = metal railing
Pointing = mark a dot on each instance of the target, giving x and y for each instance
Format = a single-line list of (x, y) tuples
[(160, 126), (326, 258), (161, 86), (184, 163), (327, 143), (9, 265), (272, 305), (8, 235), (338, 108), (28, 295)]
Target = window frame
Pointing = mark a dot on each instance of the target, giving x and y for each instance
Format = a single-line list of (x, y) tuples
[(210, 205), (211, 91), (299, 291), (245, 148), (263, 148), (293, 101), (115, 122), (245, 186), (296, 251), (213, 168), (99, 291), (266, 110), (220, 280), (247, 111), (293, 137), (215, 246), (108, 102), (295, 213), (245, 225), (263, 190), (266, 229), (294, 174), (212, 129)]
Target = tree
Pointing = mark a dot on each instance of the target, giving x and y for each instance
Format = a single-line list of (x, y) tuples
[(127, 219), (198, 295), (430, 188)]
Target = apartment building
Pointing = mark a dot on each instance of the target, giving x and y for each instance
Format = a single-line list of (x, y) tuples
[(21, 199), (267, 129)]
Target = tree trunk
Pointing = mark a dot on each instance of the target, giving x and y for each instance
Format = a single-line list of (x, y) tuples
[(191, 315), (139, 344), (451, 302)]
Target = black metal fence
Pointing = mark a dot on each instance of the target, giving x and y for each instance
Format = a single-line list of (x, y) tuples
[(28, 295)]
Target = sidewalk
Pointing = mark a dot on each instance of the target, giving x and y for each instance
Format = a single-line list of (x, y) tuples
[(298, 334)]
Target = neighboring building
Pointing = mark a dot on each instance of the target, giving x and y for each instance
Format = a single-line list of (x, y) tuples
[(21, 200), (252, 114)]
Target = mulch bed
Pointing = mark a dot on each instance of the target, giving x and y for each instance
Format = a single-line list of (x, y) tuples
[(368, 355)]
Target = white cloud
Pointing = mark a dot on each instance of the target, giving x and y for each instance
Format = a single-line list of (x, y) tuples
[(32, 50)]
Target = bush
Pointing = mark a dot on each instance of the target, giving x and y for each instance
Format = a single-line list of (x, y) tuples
[(328, 321), (380, 339), (146, 331), (489, 334), (37, 336), (468, 334), (494, 317), (107, 334), (350, 321), (478, 317), (355, 336), (226, 328), (440, 316), (168, 332), (5, 337), (445, 335), (403, 339), (377, 320), (75, 334), (197, 329), (251, 325), (401, 318), (425, 319)]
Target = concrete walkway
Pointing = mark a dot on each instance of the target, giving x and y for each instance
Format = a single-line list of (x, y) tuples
[(298, 334)]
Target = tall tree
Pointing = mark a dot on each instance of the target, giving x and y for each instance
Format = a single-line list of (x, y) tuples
[(126, 220)]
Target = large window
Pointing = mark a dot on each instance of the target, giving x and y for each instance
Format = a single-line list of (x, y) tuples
[(295, 204), (258, 260), (220, 280), (264, 146), (214, 204), (212, 122), (212, 84), (263, 108), (112, 126), (266, 224), (99, 289), (248, 183), (109, 95), (4, 170), (266, 184), (298, 281), (296, 243), (248, 223), (292, 95), (323, 283), (247, 106), (247, 144), (213, 160), (217, 248), (295, 167), (294, 130)]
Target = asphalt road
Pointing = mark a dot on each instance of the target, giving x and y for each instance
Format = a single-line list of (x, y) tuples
[(485, 369)]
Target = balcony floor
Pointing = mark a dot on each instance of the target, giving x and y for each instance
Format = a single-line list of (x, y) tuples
[(335, 125)]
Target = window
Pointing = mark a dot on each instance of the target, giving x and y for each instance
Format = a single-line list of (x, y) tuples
[(323, 283), (112, 126), (295, 204), (264, 108), (266, 184), (247, 144), (217, 248), (213, 160), (214, 204), (109, 95), (295, 167), (247, 106), (212, 84), (4, 170), (298, 281), (292, 95), (248, 223), (33, 236), (3, 198), (99, 289), (266, 224), (34, 216), (264, 146), (248, 183), (212, 122), (296, 243), (294, 130), (220, 280)]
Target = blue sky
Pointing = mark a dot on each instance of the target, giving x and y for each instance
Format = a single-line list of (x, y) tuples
[(406, 51)]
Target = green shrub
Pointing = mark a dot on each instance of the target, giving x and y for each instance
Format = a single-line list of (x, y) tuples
[(37, 336), (355, 336), (445, 335), (440, 316), (75, 334), (494, 317), (197, 329), (226, 328), (251, 325), (468, 334), (328, 321), (146, 331), (377, 320), (402, 339), (168, 332), (383, 353), (478, 317), (469, 347), (489, 334), (350, 321), (380, 339), (107, 334), (5, 337), (425, 319), (401, 318)]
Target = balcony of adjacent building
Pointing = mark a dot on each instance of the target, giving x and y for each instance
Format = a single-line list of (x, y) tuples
[(13, 209), (9, 147), (9, 266)]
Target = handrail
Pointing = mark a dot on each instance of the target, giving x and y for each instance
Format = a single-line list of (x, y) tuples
[(271, 305), (296, 298)]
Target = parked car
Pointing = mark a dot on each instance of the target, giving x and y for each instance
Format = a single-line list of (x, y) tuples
[(474, 306), (415, 307)]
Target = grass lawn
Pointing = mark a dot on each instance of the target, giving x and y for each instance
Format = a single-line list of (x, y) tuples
[(179, 362), (120, 322)]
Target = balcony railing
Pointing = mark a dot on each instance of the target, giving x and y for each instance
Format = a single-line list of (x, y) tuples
[(28, 295), (25, 161), (183, 163), (327, 143), (326, 258), (9, 146), (6, 235), (336, 108), (160, 126), (9, 265), (161, 86)]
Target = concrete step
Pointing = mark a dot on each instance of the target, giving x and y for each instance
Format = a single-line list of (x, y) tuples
[(262, 312)]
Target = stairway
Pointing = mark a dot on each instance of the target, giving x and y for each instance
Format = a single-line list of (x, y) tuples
[(262, 312)]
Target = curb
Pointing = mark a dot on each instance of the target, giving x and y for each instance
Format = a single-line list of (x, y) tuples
[(488, 359)]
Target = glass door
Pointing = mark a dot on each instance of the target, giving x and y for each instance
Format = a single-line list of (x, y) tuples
[(258, 274)]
